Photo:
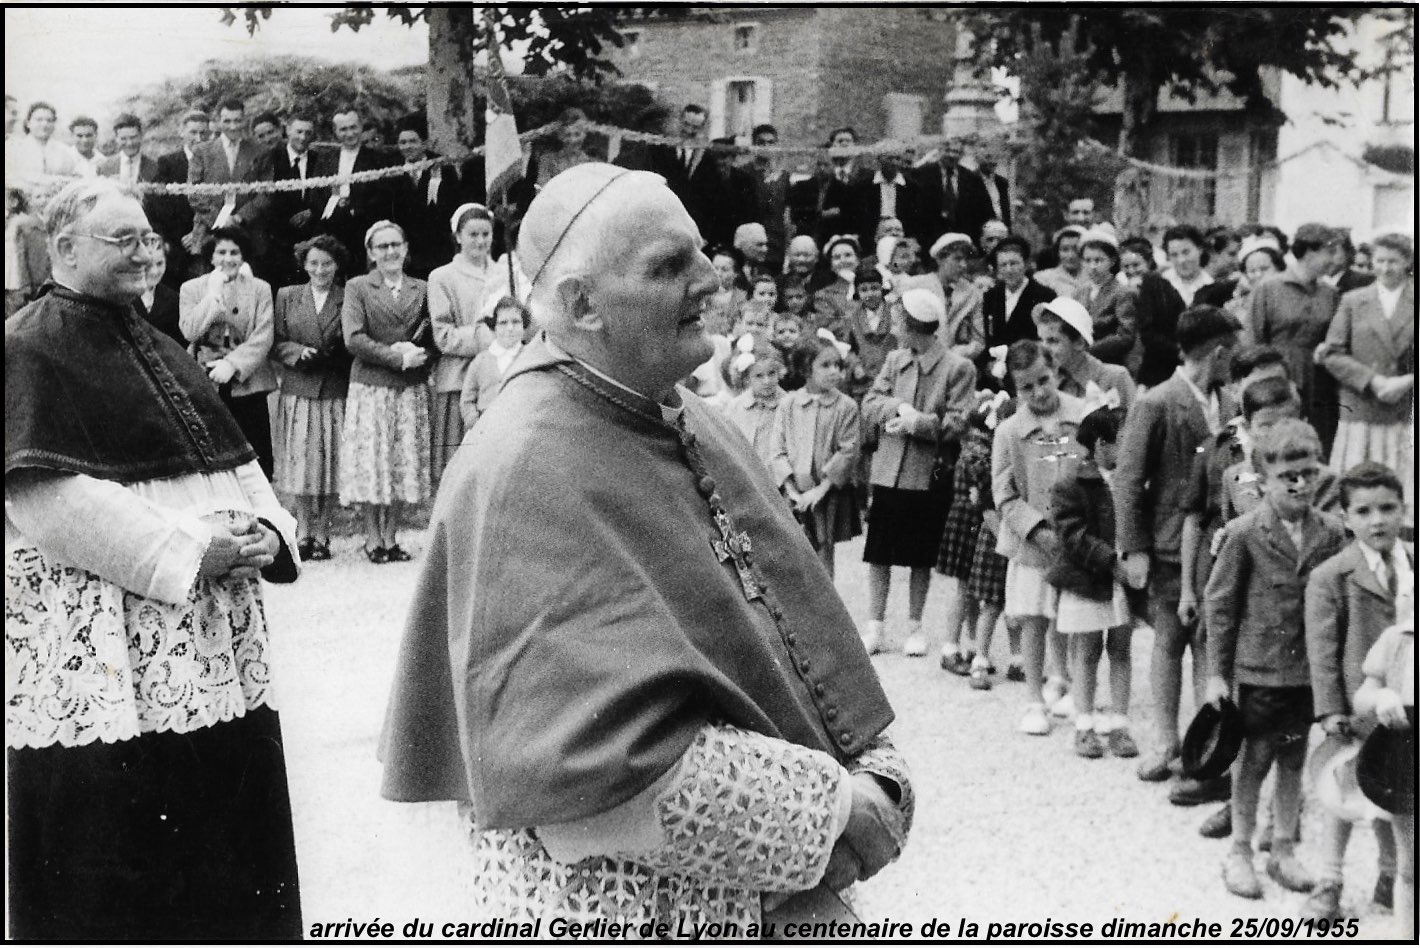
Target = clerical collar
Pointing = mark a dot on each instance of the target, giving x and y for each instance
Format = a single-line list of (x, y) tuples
[(669, 414)]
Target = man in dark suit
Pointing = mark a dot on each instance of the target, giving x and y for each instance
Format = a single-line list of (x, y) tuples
[(351, 208), (771, 196), (171, 214), (1006, 307), (952, 199), (694, 175), (1344, 277), (129, 165), (293, 213), (424, 203), (997, 189), (889, 194), (229, 158), (835, 200)]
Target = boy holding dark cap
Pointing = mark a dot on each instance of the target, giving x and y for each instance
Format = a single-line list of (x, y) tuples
[(1166, 428)]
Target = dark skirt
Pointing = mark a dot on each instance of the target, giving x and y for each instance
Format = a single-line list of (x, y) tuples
[(988, 571), (958, 546), (834, 520), (905, 527), (254, 418), (166, 837)]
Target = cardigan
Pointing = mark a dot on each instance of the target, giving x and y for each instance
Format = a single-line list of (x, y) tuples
[(298, 326), (1347, 609), (480, 384), (1012, 450), (1361, 344), (1294, 315), (815, 438), (938, 383), (242, 336), (1253, 606), (373, 320)]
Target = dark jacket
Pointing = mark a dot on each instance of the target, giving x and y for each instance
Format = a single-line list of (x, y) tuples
[(1082, 514), (1003, 328), (297, 325), (1156, 310), (164, 314), (970, 208)]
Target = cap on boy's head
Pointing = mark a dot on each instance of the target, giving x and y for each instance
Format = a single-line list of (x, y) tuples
[(1269, 393), (1201, 325), (866, 273), (924, 306), (951, 243), (1070, 312), (1291, 439)]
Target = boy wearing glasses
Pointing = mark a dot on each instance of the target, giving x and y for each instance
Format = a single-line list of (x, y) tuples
[(1257, 647)]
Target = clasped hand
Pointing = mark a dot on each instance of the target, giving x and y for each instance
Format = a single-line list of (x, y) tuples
[(873, 838), (238, 550), (810, 498), (410, 355)]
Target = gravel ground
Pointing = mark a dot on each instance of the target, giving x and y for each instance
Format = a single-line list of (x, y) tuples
[(1009, 827)]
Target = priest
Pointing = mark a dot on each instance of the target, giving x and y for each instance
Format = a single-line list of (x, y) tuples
[(623, 658)]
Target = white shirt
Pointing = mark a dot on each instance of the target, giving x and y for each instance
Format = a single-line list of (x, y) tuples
[(1187, 290), (230, 149), (994, 193), (320, 296), (127, 169), (298, 161), (1385, 566), (345, 166), (887, 191), (1390, 299), (29, 163)]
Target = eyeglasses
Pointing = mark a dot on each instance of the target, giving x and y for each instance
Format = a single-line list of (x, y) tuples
[(1303, 476), (128, 244)]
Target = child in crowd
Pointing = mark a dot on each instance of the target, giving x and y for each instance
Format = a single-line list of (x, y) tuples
[(959, 555), (754, 323), (1163, 432), (752, 410), (763, 295), (1388, 690), (735, 366), (509, 321), (794, 298), (816, 439), (987, 584), (26, 253), (1093, 612), (1026, 449), (869, 328), (1257, 644), (919, 399), (787, 330), (1350, 601)]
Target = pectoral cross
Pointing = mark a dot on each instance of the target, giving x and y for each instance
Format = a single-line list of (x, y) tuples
[(731, 545)]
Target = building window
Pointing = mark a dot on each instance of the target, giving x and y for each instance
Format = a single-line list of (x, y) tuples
[(746, 37), (1198, 150), (632, 42)]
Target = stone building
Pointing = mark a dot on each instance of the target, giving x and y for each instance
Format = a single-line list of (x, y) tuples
[(807, 70)]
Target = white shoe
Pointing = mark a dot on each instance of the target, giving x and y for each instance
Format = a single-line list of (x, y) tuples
[(872, 636), (1053, 691), (915, 646), (1064, 708), (1035, 721)]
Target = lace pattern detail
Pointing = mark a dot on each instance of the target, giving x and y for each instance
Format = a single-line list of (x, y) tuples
[(88, 661), (518, 881), (882, 758)]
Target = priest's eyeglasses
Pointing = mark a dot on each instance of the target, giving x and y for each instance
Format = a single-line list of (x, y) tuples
[(128, 244)]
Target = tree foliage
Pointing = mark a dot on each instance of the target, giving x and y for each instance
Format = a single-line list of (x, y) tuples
[(1184, 50)]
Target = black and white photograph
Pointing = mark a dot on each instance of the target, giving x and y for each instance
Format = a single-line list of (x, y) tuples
[(797, 473)]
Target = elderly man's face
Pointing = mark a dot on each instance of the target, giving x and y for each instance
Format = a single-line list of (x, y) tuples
[(890, 227), (992, 233), (755, 246), (652, 294), (85, 137), (101, 269), (802, 255), (1081, 212)]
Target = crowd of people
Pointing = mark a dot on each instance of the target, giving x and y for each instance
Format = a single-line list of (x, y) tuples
[(1214, 435)]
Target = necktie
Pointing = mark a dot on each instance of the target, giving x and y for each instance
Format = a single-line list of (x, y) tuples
[(949, 193), (1386, 575), (688, 156)]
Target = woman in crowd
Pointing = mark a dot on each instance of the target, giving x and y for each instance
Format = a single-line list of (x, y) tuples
[(830, 304), (723, 311), (1136, 258), (1111, 304), (384, 459), (568, 152), (159, 302), (459, 292), (1370, 350), (34, 159), (1258, 259), (310, 413), (227, 316)]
